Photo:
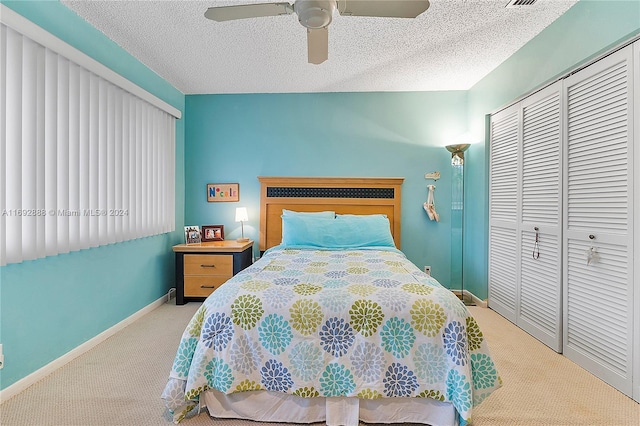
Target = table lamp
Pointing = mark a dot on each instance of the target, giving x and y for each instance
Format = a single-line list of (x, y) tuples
[(242, 216)]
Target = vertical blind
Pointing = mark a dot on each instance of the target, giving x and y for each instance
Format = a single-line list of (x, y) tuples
[(83, 162)]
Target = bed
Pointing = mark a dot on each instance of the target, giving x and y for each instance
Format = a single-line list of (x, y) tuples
[(333, 323)]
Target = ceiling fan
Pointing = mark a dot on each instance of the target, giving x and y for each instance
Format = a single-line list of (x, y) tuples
[(316, 16)]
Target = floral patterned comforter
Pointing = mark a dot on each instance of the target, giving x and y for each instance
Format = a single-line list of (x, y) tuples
[(356, 323)]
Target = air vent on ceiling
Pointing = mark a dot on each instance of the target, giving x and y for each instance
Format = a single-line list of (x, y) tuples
[(518, 3)]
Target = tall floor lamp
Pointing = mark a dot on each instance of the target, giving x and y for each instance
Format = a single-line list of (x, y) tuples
[(457, 204)]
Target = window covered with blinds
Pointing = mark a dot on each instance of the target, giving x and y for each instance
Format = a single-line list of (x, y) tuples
[(83, 161)]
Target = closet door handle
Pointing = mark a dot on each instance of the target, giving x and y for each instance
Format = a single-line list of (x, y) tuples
[(592, 237)]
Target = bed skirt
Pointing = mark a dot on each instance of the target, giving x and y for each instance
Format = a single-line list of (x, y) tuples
[(269, 406)]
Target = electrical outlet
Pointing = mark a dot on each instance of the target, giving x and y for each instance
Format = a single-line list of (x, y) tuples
[(171, 294), (427, 270), (1, 357)]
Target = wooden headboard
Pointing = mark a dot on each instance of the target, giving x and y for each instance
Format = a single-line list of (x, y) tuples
[(311, 194)]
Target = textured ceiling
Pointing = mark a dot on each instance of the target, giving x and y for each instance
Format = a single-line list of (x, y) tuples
[(451, 46)]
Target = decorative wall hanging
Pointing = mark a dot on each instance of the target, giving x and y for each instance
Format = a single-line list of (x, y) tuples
[(223, 192), (430, 205)]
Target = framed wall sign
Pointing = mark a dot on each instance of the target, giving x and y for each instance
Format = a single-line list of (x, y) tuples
[(221, 192)]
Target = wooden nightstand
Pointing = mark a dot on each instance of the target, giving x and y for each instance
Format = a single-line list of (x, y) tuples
[(201, 268)]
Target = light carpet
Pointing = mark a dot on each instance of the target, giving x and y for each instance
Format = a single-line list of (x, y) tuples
[(119, 382)]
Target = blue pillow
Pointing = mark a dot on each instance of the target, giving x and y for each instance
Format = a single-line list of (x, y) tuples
[(348, 232)]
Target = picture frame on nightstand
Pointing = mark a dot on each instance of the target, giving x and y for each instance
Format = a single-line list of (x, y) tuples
[(192, 235), (212, 232)]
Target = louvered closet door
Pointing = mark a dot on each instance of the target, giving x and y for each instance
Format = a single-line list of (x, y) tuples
[(504, 212), (636, 228), (540, 301), (598, 306)]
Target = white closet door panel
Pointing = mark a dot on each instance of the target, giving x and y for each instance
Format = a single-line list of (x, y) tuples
[(504, 172), (502, 272), (635, 289), (597, 140), (540, 311), (540, 294), (503, 212), (541, 159), (598, 294), (598, 330)]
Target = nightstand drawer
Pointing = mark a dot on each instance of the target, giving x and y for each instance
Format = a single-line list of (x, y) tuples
[(202, 285), (208, 264), (202, 268)]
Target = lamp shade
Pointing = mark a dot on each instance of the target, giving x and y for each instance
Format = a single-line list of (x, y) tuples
[(457, 153), (241, 214)]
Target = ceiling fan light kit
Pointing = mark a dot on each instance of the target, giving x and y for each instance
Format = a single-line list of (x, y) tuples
[(316, 15)]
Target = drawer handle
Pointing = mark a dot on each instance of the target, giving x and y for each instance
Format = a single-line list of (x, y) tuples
[(207, 266), (207, 286)]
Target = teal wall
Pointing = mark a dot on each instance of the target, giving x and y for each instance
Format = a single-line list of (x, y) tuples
[(236, 138), (588, 29), (50, 306), (387, 134)]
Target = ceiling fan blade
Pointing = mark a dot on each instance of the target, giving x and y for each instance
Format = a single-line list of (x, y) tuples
[(383, 8), (318, 45), (243, 11)]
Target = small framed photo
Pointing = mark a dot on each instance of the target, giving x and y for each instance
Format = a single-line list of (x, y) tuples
[(221, 192), (213, 233), (192, 235)]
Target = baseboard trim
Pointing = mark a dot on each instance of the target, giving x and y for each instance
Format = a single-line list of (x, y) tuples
[(22, 384), (470, 296)]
